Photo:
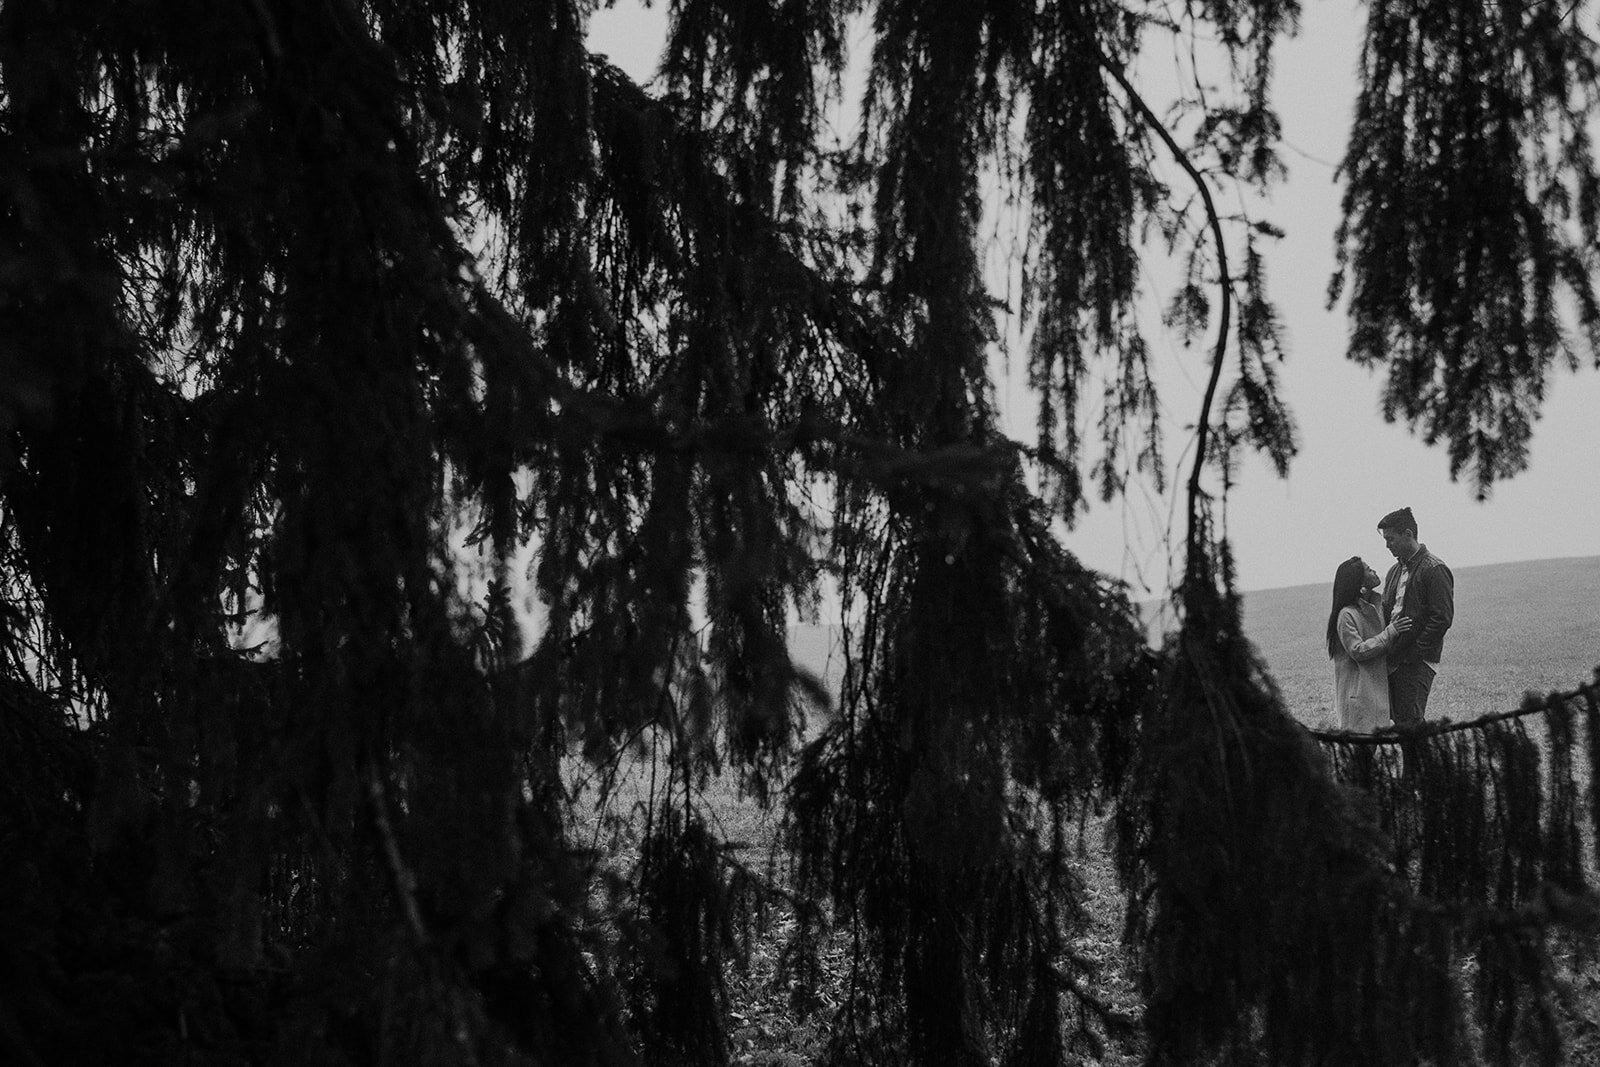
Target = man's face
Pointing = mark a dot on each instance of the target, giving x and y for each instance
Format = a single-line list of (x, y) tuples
[(1400, 543)]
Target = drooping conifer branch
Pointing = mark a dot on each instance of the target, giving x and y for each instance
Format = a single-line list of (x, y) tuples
[(1470, 218), (263, 356), (1484, 811), (1195, 552), (1431, 728), (1484, 820)]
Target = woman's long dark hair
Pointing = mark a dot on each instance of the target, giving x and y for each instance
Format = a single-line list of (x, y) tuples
[(1346, 591)]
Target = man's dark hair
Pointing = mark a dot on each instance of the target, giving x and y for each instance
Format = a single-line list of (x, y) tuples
[(1401, 520)]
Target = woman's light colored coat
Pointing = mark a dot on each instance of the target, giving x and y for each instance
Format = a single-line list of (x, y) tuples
[(1360, 668)]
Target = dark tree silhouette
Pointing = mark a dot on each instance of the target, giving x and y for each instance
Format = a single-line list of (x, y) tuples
[(294, 294), (1470, 210)]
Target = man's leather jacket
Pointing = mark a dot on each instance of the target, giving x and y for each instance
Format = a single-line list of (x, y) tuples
[(1430, 602)]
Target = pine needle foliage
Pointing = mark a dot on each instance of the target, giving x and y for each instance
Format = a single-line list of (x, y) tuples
[(1436, 869), (966, 920), (1470, 217), (958, 665), (1228, 815), (1493, 821), (296, 298), (269, 374)]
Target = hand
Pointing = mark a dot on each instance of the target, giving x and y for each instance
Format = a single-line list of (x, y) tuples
[(1402, 624)]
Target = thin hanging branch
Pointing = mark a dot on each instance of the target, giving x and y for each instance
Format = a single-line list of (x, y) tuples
[(1224, 280), (403, 879), (1498, 824), (1434, 729)]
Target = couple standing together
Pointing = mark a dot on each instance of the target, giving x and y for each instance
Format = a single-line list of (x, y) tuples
[(1385, 645)]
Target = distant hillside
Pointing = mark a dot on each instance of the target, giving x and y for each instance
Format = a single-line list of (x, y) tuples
[(1519, 626)]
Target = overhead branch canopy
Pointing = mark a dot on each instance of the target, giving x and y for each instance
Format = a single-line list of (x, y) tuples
[(297, 297), (1471, 208)]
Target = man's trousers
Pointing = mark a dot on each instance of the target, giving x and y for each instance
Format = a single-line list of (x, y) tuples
[(1409, 684)]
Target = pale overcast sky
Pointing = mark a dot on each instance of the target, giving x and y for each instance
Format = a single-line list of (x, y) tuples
[(1352, 466)]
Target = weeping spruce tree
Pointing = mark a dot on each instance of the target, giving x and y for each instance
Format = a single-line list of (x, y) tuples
[(296, 293)]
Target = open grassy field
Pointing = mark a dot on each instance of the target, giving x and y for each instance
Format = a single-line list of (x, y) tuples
[(1519, 627)]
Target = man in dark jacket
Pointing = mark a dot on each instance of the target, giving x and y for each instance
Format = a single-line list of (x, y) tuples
[(1421, 587)]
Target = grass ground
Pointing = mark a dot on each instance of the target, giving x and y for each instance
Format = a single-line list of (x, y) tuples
[(767, 1032), (1519, 627)]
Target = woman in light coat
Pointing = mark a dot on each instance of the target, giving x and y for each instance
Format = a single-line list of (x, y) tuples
[(1357, 643)]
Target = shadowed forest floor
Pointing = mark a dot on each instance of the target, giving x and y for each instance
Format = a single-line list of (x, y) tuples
[(767, 1029), (767, 1032)]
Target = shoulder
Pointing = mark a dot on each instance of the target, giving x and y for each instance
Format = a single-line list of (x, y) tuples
[(1430, 562), (1351, 616)]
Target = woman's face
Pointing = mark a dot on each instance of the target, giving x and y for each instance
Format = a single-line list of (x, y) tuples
[(1370, 579)]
